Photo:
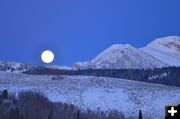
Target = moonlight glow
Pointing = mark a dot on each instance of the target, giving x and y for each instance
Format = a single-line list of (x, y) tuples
[(47, 56)]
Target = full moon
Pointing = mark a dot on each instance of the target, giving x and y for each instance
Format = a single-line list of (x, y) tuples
[(47, 56)]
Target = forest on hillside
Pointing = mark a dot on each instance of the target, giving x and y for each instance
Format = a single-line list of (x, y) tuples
[(33, 105), (166, 76)]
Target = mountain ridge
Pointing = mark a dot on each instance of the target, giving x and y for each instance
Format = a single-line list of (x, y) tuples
[(161, 52), (119, 56)]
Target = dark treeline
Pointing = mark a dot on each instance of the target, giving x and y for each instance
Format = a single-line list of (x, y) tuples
[(30, 105), (166, 76)]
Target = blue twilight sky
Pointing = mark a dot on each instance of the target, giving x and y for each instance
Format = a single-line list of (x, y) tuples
[(80, 29)]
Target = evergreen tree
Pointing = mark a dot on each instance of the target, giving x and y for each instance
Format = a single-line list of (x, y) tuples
[(140, 114), (50, 115), (78, 113), (5, 94), (14, 113)]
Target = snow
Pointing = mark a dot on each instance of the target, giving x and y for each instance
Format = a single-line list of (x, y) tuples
[(104, 98), (94, 93), (165, 41), (80, 65), (157, 76), (164, 50)]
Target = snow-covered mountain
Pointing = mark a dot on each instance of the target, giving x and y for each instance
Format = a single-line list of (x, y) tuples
[(165, 49), (159, 53)]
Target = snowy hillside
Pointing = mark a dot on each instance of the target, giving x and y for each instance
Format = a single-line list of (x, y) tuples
[(15, 67), (165, 49), (98, 93), (159, 53)]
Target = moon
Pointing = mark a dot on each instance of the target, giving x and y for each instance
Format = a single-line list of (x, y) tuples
[(47, 56)]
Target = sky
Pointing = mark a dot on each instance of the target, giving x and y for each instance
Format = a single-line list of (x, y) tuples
[(78, 30)]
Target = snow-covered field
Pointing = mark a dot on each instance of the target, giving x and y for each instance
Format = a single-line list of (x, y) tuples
[(98, 93)]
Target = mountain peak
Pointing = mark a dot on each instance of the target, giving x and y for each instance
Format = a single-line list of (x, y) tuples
[(166, 49), (119, 56), (172, 42), (117, 49)]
